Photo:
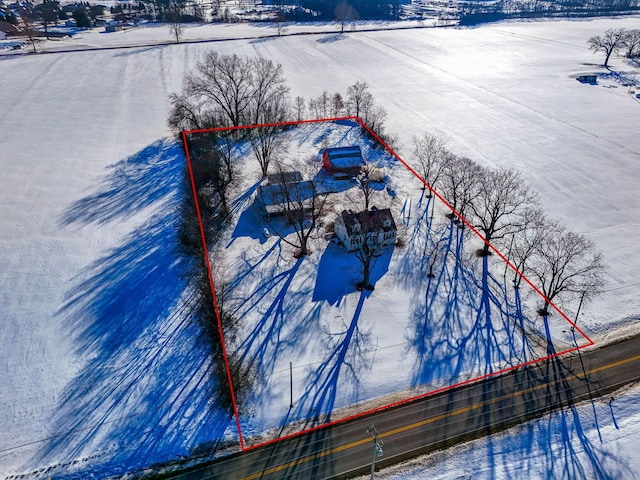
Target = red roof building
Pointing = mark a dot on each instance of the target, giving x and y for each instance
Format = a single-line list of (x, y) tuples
[(343, 159)]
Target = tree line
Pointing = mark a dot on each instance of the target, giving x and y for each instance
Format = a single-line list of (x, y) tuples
[(474, 13), (499, 205)]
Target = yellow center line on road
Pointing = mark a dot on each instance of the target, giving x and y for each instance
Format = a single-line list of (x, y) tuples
[(427, 421)]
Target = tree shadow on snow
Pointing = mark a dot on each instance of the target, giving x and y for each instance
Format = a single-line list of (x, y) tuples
[(339, 272), (145, 393), (466, 321), (344, 362), (559, 445)]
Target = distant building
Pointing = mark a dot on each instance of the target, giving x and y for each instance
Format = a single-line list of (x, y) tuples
[(375, 227), (347, 160), (114, 27), (7, 30)]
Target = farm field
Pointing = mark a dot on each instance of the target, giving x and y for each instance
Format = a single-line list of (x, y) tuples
[(103, 369)]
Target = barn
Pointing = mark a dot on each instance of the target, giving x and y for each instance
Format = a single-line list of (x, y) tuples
[(343, 159)]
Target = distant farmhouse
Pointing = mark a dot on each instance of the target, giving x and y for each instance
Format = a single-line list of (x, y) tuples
[(375, 227), (343, 160), (8, 30)]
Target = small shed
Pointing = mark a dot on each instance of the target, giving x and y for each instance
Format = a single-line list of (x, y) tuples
[(343, 160), (114, 27), (590, 78)]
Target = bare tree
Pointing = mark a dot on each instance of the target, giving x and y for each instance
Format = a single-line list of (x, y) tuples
[(234, 90), (344, 12), (370, 229), (631, 42), (566, 262), (366, 253), (269, 93), (280, 16), (48, 11), (523, 243), (28, 21), (224, 175), (337, 105), (267, 143), (303, 204), (188, 113), (374, 117), (299, 108), (429, 152), (320, 106), (607, 43), (226, 81), (359, 99), (458, 181), (499, 204), (369, 176), (174, 17)]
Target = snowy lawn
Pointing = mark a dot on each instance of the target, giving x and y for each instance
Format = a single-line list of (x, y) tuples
[(349, 350), (92, 291)]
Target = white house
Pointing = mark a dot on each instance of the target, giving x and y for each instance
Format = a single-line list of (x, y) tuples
[(375, 227)]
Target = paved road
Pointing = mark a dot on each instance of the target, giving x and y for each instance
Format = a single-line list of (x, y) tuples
[(434, 422)]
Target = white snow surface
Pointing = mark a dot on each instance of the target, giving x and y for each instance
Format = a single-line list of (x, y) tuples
[(102, 368)]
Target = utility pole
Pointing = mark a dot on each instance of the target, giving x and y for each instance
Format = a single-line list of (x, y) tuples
[(377, 446), (579, 307), (291, 385)]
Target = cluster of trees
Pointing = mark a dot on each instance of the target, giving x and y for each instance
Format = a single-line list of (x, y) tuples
[(505, 211), (615, 40), (473, 13), (50, 13), (234, 90), (353, 9)]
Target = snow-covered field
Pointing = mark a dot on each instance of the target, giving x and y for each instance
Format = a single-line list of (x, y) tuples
[(101, 364)]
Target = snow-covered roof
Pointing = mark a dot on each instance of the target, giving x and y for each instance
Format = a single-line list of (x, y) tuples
[(345, 157), (373, 220), (275, 197)]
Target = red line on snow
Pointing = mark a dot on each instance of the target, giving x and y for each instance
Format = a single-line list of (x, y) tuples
[(439, 197), (213, 289)]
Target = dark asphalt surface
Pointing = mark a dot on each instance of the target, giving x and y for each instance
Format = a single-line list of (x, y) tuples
[(437, 421)]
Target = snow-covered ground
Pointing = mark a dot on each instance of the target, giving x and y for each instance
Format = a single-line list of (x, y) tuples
[(100, 362), (350, 350)]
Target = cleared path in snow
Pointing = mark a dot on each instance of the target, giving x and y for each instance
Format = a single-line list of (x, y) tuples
[(438, 421)]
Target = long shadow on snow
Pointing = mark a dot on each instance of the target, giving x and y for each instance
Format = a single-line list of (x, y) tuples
[(558, 446), (145, 394), (465, 324), (343, 364)]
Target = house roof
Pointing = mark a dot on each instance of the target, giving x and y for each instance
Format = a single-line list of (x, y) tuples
[(7, 27), (284, 177), (345, 157), (276, 196), (373, 220)]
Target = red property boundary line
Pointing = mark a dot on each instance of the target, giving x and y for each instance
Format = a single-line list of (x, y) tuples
[(243, 447)]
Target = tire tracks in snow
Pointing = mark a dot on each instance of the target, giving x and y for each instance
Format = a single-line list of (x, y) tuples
[(33, 84), (486, 90)]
